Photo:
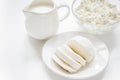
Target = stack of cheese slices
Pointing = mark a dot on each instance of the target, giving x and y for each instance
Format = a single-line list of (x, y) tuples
[(73, 55)]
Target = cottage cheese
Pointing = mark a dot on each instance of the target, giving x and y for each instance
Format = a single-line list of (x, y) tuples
[(98, 12)]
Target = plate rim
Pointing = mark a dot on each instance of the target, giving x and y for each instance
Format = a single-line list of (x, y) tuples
[(62, 75)]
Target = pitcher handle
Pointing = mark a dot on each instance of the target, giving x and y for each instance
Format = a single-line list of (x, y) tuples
[(63, 5)]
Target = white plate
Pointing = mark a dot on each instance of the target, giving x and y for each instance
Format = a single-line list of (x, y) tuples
[(96, 66)]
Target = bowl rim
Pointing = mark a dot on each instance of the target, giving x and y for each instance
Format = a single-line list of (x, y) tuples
[(75, 15)]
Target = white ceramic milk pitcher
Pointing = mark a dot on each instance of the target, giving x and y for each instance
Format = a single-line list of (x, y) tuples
[(42, 20)]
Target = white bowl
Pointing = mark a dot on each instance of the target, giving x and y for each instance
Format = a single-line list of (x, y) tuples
[(95, 67), (95, 29)]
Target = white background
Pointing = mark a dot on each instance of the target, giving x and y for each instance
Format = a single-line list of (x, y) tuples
[(20, 55)]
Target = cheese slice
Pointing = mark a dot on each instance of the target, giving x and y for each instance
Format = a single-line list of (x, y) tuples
[(73, 55), (82, 47), (67, 59), (62, 64)]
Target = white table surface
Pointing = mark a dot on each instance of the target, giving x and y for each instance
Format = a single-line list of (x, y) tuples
[(20, 55)]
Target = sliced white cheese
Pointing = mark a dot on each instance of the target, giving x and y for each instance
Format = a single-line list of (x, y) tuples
[(62, 64), (67, 59), (73, 55), (83, 47)]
